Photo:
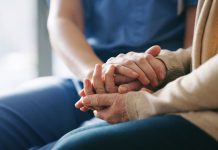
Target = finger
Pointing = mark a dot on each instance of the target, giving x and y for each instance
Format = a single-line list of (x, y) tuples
[(99, 100), (82, 93), (109, 80), (120, 79), (109, 116), (126, 71), (154, 50), (110, 59), (101, 114), (84, 109), (148, 70), (88, 89), (146, 90), (98, 83), (158, 67), (133, 86), (79, 104), (142, 77)]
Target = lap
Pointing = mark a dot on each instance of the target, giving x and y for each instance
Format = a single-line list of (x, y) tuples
[(38, 113), (163, 132)]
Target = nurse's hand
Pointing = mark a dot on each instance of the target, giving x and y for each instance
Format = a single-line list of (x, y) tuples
[(96, 86), (150, 70)]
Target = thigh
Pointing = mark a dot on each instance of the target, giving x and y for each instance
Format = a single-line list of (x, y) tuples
[(156, 133), (38, 113)]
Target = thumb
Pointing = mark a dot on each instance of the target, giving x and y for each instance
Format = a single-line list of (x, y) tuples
[(154, 50)]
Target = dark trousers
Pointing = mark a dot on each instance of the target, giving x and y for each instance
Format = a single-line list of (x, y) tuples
[(155, 133), (36, 115)]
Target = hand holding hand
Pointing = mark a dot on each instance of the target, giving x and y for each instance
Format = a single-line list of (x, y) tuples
[(150, 70), (97, 87)]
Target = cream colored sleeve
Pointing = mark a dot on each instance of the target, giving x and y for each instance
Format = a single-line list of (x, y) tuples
[(196, 91), (177, 63)]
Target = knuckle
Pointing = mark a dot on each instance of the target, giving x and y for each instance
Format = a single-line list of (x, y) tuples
[(131, 53), (129, 62), (110, 59), (110, 69), (141, 60), (148, 56), (120, 55)]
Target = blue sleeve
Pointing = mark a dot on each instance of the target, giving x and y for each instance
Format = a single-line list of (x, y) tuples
[(191, 2)]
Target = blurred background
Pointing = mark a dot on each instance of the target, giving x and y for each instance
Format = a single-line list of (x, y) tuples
[(25, 51)]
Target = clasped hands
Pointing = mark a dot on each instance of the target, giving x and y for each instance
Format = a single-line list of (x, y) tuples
[(107, 92)]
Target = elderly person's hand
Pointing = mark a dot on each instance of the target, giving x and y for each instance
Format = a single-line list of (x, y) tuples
[(113, 106), (109, 107), (150, 70), (90, 93)]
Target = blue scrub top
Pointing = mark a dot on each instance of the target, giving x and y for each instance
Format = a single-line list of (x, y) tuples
[(118, 26)]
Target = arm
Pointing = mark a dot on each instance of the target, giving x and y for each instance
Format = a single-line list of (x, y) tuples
[(177, 63), (189, 26), (196, 91), (65, 25)]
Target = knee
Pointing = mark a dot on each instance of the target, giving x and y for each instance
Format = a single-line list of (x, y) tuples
[(40, 88)]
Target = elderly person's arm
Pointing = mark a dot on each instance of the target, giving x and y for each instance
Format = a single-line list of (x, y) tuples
[(193, 92), (149, 68)]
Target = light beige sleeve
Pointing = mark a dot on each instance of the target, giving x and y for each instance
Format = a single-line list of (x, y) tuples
[(196, 91), (177, 63)]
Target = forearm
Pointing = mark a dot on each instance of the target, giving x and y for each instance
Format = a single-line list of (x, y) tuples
[(69, 42), (194, 92), (177, 63)]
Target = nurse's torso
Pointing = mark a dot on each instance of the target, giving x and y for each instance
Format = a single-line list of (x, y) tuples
[(115, 26)]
